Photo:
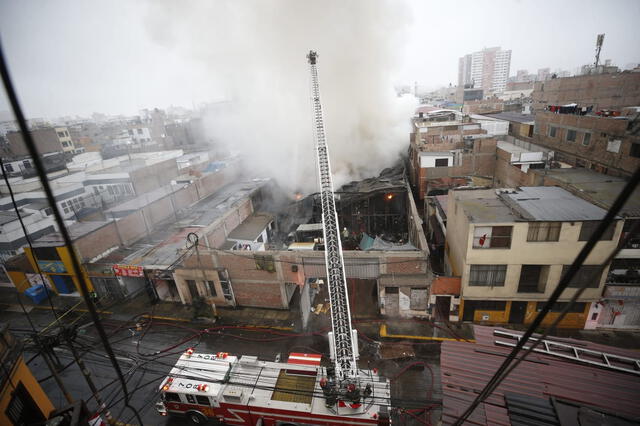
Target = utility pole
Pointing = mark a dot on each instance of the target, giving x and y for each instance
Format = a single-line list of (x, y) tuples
[(69, 336)]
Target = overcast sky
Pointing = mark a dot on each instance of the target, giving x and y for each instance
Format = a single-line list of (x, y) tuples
[(79, 57)]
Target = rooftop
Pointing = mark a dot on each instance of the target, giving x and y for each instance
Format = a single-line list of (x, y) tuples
[(76, 231), (466, 368), (7, 217), (251, 228), (526, 204), (163, 247), (512, 116), (598, 188)]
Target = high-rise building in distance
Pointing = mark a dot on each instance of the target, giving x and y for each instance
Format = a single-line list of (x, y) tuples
[(487, 69)]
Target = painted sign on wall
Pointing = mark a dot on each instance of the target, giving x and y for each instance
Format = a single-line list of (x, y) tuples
[(54, 266), (128, 271)]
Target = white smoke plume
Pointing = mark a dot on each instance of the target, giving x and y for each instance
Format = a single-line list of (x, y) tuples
[(254, 55)]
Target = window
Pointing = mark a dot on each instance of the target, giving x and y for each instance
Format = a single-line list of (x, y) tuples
[(533, 278), (22, 409), (552, 132), (61, 134), (492, 237), (487, 275), (614, 145), (571, 135), (202, 400), (139, 131), (65, 144), (588, 228), (442, 162), (634, 151), (212, 288), (391, 290), (46, 253), (171, 397), (190, 398), (26, 164), (48, 211), (586, 273), (577, 308), (544, 231), (8, 168), (586, 139)]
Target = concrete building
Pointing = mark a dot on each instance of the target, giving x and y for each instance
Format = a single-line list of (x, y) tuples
[(446, 147), (47, 139), (619, 307), (514, 158), (487, 69), (603, 91), (610, 145), (22, 399), (521, 125), (511, 247), (38, 220)]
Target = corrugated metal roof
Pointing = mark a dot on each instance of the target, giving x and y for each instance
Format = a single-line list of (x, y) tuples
[(551, 203), (467, 367)]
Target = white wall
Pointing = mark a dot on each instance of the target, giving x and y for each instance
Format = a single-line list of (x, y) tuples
[(429, 159)]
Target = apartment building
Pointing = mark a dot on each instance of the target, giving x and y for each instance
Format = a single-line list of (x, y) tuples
[(46, 139), (446, 148), (487, 69), (511, 246), (609, 145)]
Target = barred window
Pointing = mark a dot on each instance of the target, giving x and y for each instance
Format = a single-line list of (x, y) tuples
[(487, 275), (544, 231), (586, 273), (265, 263)]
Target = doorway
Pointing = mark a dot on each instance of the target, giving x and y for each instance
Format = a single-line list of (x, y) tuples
[(517, 313), (443, 304)]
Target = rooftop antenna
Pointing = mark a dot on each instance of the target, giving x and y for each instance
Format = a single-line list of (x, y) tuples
[(599, 41)]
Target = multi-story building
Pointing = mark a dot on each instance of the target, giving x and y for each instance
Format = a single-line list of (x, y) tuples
[(610, 145), (511, 247), (601, 91), (22, 399), (487, 69), (47, 139), (446, 148)]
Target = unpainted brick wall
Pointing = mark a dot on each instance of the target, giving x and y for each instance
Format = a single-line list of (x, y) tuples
[(97, 242)]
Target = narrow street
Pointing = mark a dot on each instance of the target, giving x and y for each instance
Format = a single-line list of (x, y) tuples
[(146, 357)]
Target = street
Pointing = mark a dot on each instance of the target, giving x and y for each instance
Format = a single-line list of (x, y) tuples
[(146, 356)]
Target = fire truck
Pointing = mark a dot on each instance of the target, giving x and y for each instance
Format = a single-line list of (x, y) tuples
[(253, 392)]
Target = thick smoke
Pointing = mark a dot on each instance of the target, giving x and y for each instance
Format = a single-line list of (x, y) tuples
[(253, 53)]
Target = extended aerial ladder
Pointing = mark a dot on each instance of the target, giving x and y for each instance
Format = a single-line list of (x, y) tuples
[(342, 339)]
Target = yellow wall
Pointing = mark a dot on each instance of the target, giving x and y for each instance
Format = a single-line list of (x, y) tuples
[(66, 260), (19, 280), (21, 373), (571, 320)]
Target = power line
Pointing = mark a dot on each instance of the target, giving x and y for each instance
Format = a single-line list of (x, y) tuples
[(75, 262), (27, 236), (502, 371)]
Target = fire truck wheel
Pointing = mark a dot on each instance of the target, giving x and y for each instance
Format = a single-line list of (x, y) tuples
[(196, 418)]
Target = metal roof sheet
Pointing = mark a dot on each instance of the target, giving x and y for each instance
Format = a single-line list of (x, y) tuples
[(467, 367)]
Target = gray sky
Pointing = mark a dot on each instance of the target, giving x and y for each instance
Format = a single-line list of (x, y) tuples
[(79, 57)]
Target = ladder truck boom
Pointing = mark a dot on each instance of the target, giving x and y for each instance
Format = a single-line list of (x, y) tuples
[(342, 339)]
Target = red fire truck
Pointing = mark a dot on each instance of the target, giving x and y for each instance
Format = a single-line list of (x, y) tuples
[(248, 391)]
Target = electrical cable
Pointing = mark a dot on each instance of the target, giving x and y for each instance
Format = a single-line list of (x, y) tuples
[(75, 263), (607, 221), (27, 236)]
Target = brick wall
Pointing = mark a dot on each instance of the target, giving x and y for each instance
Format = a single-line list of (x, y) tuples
[(595, 154), (506, 174), (603, 91), (46, 140), (131, 228)]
